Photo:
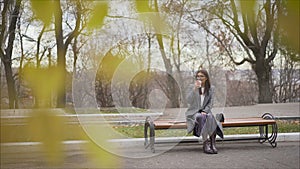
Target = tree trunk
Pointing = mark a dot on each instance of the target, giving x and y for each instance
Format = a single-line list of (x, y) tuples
[(264, 77), (13, 102), (61, 58), (172, 95), (6, 57), (0, 84), (62, 48), (173, 92)]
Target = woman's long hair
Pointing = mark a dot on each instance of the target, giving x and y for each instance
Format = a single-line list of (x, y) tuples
[(207, 82)]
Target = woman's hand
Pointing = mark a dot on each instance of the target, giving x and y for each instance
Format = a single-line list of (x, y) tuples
[(197, 84), (203, 113)]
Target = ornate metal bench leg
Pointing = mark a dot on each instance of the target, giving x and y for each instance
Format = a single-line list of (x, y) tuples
[(149, 142), (146, 126), (262, 134), (152, 137), (272, 138)]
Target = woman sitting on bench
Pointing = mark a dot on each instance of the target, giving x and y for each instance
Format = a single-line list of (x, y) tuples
[(200, 119)]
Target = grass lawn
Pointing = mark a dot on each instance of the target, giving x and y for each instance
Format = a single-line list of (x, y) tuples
[(106, 110), (138, 131), (19, 133)]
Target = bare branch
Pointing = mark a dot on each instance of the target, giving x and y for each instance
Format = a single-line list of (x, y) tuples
[(269, 25), (38, 44), (120, 17), (231, 28), (229, 53), (75, 32), (243, 35), (276, 32)]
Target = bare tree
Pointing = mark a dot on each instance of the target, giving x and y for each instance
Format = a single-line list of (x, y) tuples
[(172, 88), (10, 14), (104, 77), (63, 45), (254, 24), (286, 80), (241, 81)]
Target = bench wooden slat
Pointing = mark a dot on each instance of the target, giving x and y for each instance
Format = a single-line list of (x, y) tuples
[(264, 122), (247, 122), (230, 122)]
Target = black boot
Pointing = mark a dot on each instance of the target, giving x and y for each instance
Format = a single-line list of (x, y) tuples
[(213, 143), (206, 147)]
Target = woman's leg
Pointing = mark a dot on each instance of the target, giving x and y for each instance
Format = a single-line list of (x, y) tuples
[(213, 142), (200, 120), (206, 144), (211, 126), (199, 123)]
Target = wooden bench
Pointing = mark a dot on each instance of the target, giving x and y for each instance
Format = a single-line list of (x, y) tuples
[(262, 122)]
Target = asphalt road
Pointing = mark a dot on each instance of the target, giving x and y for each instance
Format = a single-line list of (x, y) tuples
[(248, 154), (231, 155)]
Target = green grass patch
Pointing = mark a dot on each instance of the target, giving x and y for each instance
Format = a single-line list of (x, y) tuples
[(106, 110), (138, 131), (20, 133)]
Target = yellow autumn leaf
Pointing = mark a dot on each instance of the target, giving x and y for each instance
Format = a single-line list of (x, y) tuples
[(98, 14), (159, 24), (99, 147), (142, 6), (43, 81), (148, 16), (247, 6), (292, 30), (47, 127), (43, 10)]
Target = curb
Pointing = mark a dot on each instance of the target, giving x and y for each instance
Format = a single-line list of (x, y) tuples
[(78, 145), (281, 137)]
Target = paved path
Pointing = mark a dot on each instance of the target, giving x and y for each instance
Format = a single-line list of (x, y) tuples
[(248, 154), (231, 155), (281, 109)]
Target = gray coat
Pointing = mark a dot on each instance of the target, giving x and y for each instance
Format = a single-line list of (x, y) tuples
[(194, 105)]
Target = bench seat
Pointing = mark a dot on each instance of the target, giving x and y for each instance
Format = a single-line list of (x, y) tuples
[(229, 122), (262, 122)]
